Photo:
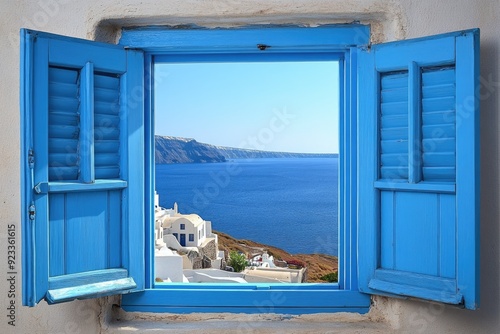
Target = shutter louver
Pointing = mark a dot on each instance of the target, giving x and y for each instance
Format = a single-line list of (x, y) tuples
[(394, 126), (438, 124), (64, 124), (107, 126)]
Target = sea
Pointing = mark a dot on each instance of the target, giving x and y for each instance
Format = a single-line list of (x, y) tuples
[(289, 203)]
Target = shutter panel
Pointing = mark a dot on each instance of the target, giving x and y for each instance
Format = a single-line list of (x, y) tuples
[(83, 199), (419, 169)]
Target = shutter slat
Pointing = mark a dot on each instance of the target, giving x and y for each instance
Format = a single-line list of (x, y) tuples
[(58, 118), (63, 173), (59, 145), (438, 131), (63, 89), (107, 172), (440, 76), (442, 174), (106, 146), (107, 159), (394, 146), (107, 82), (106, 133), (439, 159), (440, 117), (394, 121), (107, 107), (62, 75), (68, 104), (61, 131)]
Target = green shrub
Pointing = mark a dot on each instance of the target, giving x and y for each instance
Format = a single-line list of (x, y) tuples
[(331, 277), (237, 260)]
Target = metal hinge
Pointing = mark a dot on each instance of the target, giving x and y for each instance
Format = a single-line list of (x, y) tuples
[(32, 211), (31, 158)]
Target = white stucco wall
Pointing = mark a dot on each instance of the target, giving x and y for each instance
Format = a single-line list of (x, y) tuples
[(390, 19)]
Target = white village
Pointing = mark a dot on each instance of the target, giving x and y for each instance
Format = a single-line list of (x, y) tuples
[(187, 251)]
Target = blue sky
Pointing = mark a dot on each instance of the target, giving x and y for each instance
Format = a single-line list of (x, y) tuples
[(275, 106)]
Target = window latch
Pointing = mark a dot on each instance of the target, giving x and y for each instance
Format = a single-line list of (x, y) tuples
[(263, 47), (32, 211), (31, 158)]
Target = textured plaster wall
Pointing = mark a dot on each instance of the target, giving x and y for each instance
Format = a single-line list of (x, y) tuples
[(390, 20)]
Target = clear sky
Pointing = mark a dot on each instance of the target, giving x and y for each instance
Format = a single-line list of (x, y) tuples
[(274, 106)]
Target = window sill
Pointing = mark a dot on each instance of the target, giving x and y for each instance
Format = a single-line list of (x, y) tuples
[(125, 322)]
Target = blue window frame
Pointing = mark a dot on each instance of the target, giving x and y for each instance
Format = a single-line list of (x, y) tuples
[(392, 98), (191, 237)]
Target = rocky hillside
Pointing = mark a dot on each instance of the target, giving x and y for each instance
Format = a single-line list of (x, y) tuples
[(317, 265), (170, 150)]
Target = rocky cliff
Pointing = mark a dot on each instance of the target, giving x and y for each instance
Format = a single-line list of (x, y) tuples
[(170, 150)]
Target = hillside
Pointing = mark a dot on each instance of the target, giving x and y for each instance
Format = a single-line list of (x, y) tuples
[(317, 264), (171, 150)]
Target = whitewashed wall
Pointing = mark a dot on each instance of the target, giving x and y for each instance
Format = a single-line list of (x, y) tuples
[(390, 19)]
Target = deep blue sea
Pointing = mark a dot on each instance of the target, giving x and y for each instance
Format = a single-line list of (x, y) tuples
[(290, 203)]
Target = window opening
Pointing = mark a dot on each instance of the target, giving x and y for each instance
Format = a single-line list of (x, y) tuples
[(247, 154)]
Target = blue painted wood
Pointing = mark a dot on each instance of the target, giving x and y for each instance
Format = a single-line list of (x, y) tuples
[(253, 301), (73, 56), (114, 231), (133, 166), (94, 290), (388, 240), (65, 187), (414, 123), (89, 277), (416, 187), (86, 140), (433, 223), (74, 212), (57, 233), (447, 237), (245, 39), (425, 281), (410, 284), (416, 224), (368, 169), (442, 46), (468, 167), (86, 227), (40, 118), (26, 105)]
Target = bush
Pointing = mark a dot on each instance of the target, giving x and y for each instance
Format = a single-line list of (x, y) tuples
[(295, 263), (237, 260), (331, 277)]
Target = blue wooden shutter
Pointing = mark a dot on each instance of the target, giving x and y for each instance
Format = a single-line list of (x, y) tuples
[(83, 168), (419, 169)]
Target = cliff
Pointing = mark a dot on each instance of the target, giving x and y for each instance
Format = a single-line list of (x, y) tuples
[(170, 150)]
